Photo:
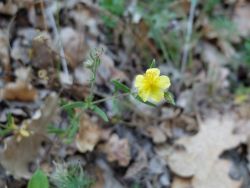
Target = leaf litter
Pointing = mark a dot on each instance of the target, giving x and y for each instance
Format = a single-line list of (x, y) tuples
[(180, 146)]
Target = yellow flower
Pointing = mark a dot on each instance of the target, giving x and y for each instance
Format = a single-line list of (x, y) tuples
[(151, 85), (22, 132)]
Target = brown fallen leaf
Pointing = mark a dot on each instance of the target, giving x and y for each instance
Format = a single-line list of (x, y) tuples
[(198, 156), (21, 89), (21, 158), (9, 8), (140, 164), (157, 134), (217, 176), (181, 183), (88, 135), (18, 91), (74, 45), (43, 54), (118, 150)]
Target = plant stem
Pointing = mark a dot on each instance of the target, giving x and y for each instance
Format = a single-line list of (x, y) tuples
[(110, 97)]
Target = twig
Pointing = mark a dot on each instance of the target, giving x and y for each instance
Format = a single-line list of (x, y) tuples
[(43, 14), (188, 36), (56, 33)]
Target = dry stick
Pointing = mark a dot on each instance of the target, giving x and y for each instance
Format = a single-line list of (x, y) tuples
[(188, 36), (43, 14), (56, 33)]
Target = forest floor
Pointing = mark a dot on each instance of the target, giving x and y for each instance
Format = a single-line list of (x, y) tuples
[(60, 105)]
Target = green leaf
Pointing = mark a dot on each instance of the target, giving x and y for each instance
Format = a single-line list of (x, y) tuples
[(78, 104), (38, 180), (4, 132), (169, 97), (55, 130), (121, 86), (100, 112), (116, 7), (72, 130), (152, 65), (137, 97)]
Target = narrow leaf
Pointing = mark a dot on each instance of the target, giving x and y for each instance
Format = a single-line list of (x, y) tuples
[(121, 86), (4, 132), (169, 97), (152, 65), (38, 180), (100, 112), (72, 130)]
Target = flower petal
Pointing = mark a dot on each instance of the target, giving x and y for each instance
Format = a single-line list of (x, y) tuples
[(163, 82), (24, 133), (153, 71), (139, 81), (144, 94), (157, 95)]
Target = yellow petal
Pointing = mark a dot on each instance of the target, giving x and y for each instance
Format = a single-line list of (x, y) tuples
[(144, 94), (157, 95), (139, 81), (163, 82), (24, 133), (153, 71)]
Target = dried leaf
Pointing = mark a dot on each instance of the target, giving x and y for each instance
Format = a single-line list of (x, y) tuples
[(157, 134), (138, 166), (74, 46), (217, 176), (88, 136), (20, 157), (43, 54), (8, 8), (19, 91), (181, 183), (118, 150), (198, 156)]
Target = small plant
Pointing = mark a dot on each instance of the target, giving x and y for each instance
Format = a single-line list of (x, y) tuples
[(115, 8), (12, 128), (151, 89), (70, 176), (88, 104)]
